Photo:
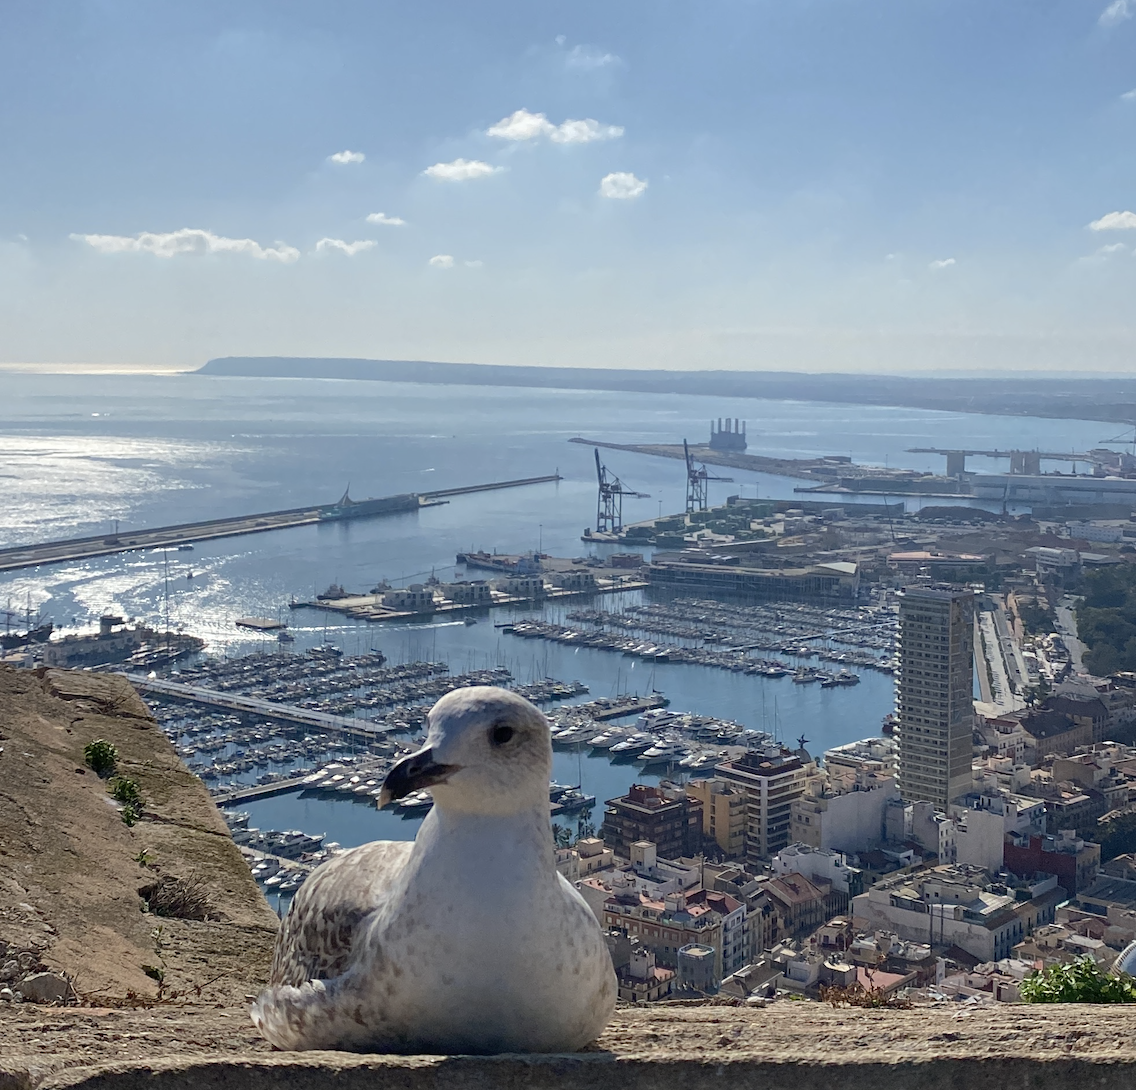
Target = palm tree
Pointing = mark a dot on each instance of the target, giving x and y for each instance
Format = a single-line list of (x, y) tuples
[(561, 836)]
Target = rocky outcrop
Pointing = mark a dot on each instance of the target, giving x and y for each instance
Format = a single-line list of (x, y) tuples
[(71, 870)]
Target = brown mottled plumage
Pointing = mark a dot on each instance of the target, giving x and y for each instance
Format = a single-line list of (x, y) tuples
[(329, 910)]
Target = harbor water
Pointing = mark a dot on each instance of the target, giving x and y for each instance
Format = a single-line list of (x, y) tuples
[(80, 452)]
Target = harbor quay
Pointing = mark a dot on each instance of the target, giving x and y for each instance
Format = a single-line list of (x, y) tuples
[(520, 580)]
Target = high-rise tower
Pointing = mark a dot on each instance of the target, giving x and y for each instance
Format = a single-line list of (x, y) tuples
[(935, 694)]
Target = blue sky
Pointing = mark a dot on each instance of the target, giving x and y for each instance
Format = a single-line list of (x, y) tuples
[(897, 185)]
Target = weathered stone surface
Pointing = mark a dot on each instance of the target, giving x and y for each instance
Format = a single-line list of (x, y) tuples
[(70, 870), (45, 988), (789, 1046)]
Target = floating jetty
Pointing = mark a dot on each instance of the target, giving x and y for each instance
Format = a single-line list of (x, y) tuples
[(360, 730), (168, 537), (259, 791), (260, 624)]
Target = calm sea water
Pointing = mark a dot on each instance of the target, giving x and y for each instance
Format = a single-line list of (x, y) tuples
[(77, 452)]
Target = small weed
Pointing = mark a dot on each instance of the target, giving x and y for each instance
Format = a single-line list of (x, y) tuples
[(126, 792), (856, 996), (144, 859), (158, 972), (101, 757)]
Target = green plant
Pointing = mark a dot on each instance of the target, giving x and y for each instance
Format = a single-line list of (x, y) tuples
[(126, 792), (158, 972), (1080, 981), (100, 756)]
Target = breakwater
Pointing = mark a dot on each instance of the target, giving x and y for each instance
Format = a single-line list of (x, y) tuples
[(186, 533)]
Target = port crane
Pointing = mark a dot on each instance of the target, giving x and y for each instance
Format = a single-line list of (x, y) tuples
[(1125, 438), (697, 476), (609, 506)]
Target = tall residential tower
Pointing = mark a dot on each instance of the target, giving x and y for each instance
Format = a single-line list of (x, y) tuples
[(935, 694)]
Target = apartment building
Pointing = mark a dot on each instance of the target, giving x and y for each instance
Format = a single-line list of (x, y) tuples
[(771, 780), (671, 819), (934, 694)]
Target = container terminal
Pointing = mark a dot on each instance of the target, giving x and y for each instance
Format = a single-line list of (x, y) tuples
[(1111, 475)]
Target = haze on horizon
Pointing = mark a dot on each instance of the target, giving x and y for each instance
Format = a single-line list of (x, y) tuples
[(747, 184)]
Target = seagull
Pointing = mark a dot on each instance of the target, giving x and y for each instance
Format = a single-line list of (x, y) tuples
[(466, 940)]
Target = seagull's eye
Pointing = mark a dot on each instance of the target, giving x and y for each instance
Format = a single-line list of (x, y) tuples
[(499, 735)]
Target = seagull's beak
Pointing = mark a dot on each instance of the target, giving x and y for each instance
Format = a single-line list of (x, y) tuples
[(413, 773)]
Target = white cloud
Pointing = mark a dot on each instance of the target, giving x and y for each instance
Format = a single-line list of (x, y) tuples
[(622, 186), (1129, 96), (349, 248), (1117, 12), (942, 263), (476, 264), (441, 261), (584, 132), (1115, 221), (584, 56), (461, 170), (1112, 248), (385, 220), (188, 240), (342, 157), (523, 125)]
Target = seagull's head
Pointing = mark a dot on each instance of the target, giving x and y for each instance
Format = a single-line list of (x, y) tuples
[(487, 751)]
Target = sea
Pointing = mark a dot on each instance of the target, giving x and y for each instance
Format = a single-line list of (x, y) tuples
[(80, 454)]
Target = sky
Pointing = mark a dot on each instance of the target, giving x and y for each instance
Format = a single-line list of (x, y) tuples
[(822, 185)]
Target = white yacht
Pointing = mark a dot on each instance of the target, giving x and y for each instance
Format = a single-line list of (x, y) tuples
[(702, 760), (571, 735), (608, 738), (632, 745), (663, 751)]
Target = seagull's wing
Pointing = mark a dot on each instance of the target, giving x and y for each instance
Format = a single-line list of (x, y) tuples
[(315, 946), (316, 937)]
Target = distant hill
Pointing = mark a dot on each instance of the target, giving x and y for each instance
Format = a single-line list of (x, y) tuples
[(1028, 395)]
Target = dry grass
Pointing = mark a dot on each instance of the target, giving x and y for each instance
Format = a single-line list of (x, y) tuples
[(178, 898)]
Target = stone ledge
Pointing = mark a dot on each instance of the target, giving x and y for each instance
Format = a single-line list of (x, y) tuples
[(789, 1046)]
